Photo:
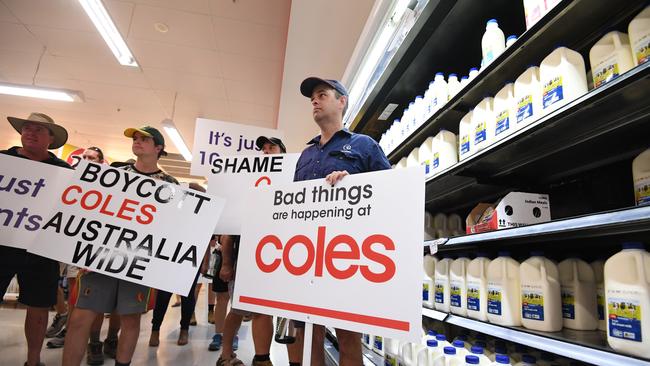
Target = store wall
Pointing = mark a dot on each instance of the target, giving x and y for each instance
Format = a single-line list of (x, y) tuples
[(322, 36)]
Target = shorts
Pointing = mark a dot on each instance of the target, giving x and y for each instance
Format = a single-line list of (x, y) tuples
[(104, 294), (38, 277)]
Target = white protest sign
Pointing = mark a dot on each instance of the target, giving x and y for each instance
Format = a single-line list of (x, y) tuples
[(231, 177), (348, 256), (218, 138), (26, 191), (130, 226)]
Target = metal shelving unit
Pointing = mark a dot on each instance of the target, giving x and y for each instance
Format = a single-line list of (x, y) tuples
[(585, 346)]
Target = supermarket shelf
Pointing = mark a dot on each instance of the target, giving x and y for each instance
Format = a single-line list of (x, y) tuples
[(636, 219), (583, 346), (596, 129), (434, 314)]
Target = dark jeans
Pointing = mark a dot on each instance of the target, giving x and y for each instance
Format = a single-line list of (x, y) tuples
[(188, 303)]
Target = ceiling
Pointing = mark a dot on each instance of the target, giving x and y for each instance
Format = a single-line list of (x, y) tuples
[(219, 59)]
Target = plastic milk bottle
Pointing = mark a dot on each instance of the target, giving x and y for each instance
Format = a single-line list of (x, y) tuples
[(482, 117), (563, 77), (441, 285), (465, 143), (641, 176), (477, 287), (541, 303), (458, 285), (599, 274), (505, 112), (425, 155), (528, 95), (578, 286), (610, 57), (504, 300), (639, 31), (493, 42), (444, 151)]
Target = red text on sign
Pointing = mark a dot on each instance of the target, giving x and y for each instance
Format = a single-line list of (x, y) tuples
[(95, 200)]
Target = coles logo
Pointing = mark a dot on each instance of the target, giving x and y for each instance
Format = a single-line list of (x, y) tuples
[(322, 255)]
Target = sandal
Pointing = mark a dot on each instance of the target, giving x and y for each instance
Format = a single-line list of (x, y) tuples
[(232, 361)]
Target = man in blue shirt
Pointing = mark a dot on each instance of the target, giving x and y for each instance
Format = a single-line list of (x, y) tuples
[(332, 155)]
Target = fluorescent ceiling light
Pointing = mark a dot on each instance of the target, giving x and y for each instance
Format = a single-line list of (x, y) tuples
[(172, 132), (98, 14), (32, 91)]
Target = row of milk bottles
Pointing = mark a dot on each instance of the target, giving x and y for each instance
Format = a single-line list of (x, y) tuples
[(435, 154), (440, 91), (436, 350), (442, 226), (542, 295)]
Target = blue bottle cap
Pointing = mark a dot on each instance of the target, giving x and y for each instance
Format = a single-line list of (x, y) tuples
[(528, 359), (492, 21), (431, 333), (501, 350), (473, 69), (432, 343), (504, 359), (458, 344), (481, 344), (633, 245), (441, 337), (463, 78), (472, 360), (450, 351), (477, 350), (453, 75), (511, 37), (418, 97)]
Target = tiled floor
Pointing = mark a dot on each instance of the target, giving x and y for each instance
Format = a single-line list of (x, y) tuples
[(13, 349)]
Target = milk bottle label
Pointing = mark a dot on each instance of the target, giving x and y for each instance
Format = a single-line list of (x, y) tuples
[(552, 91), (606, 71), (624, 318), (379, 343), (524, 108), (436, 160), (464, 144), (503, 122), (473, 297), (425, 292), (494, 299), (532, 303), (642, 49), (366, 338), (481, 133), (568, 303), (600, 300), (427, 166), (390, 360), (439, 293), (455, 295), (642, 191)]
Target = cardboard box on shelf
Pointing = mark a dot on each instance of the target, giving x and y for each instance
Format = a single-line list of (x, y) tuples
[(514, 210)]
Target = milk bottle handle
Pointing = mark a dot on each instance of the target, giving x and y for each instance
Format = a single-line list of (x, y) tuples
[(575, 271)]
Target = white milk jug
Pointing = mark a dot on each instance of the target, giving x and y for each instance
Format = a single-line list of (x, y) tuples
[(442, 341), (482, 117), (429, 263), (465, 143), (493, 42), (440, 93), (504, 300), (427, 290), (461, 351), (641, 176), (610, 57), (402, 163), (505, 112), (541, 303), (599, 274), (429, 233), (473, 73), (463, 82), (440, 225), (425, 155), (511, 40), (534, 10), (432, 351), (378, 345), (445, 147), (453, 85), (441, 285), (413, 159), (639, 31), (458, 286), (419, 111), (528, 95), (563, 78), (455, 224), (578, 286), (627, 294), (477, 287), (449, 358), (391, 352), (409, 353), (479, 352)]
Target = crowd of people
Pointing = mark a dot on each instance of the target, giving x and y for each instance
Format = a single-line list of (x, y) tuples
[(92, 296)]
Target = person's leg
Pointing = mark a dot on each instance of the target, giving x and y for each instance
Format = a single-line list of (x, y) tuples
[(76, 337), (231, 326), (220, 311), (349, 348), (262, 336), (162, 302), (130, 330), (294, 350), (317, 346), (96, 327), (35, 327), (110, 343), (188, 304)]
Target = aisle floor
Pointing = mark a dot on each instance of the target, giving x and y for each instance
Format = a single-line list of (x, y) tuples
[(13, 349)]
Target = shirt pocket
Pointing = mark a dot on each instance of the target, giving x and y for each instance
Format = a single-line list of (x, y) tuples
[(350, 161)]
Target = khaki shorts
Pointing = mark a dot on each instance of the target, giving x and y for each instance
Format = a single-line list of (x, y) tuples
[(104, 294)]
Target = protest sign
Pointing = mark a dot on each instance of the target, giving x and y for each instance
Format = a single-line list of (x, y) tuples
[(348, 256), (218, 138), (231, 177), (130, 226), (26, 191)]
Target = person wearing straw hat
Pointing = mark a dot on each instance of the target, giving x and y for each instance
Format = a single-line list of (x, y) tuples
[(37, 276)]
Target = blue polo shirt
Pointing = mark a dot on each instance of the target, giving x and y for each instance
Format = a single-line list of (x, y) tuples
[(352, 152)]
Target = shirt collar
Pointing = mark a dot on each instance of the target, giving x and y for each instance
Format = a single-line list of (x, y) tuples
[(343, 131)]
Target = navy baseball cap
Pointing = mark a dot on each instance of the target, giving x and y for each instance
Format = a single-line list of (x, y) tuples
[(271, 140), (307, 86)]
